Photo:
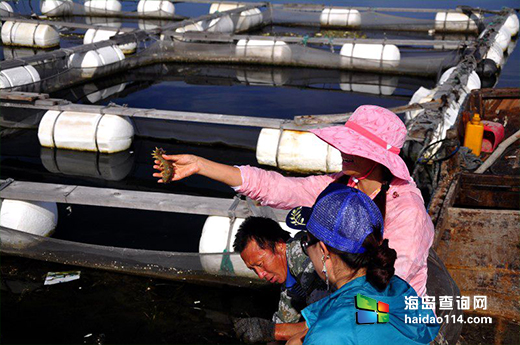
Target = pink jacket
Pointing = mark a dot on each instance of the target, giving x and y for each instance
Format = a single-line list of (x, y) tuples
[(408, 226)]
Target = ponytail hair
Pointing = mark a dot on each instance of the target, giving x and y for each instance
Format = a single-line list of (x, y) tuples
[(378, 259), (380, 199)]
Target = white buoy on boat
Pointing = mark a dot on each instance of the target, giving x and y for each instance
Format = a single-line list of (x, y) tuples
[(496, 54), (102, 7), (296, 151), (34, 217), (222, 24), (215, 238), (422, 95), (456, 21), (343, 17), (18, 76), (502, 38), (156, 8), (56, 8), (370, 56), (272, 51), (85, 131), (29, 35), (512, 24), (473, 79), (97, 35)]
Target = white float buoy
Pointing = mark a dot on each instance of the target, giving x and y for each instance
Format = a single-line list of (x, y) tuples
[(222, 24), (18, 76), (340, 17), (98, 35), (296, 151), (224, 6), (214, 239), (272, 51), (5, 9), (156, 8), (249, 19), (473, 80), (29, 35), (104, 7), (512, 24), (456, 22), (93, 59), (370, 56), (198, 26), (57, 8), (34, 217), (85, 131)]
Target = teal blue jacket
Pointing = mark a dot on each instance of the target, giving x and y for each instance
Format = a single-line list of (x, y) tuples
[(332, 320)]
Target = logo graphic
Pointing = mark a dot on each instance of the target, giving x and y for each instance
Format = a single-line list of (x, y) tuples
[(372, 311)]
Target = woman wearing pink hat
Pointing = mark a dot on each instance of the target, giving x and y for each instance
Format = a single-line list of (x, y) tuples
[(369, 143)]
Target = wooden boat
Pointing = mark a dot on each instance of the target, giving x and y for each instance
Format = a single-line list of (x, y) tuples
[(477, 219)]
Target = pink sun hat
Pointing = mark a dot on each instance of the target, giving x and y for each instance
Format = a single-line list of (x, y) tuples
[(371, 132)]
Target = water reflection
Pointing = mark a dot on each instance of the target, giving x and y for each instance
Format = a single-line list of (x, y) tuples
[(112, 167)]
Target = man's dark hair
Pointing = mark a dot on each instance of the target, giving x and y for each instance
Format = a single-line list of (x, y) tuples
[(265, 231)]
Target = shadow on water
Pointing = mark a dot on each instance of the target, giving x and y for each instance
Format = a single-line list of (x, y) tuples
[(110, 308)]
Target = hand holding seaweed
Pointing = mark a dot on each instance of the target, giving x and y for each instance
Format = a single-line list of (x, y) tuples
[(164, 166), (175, 167)]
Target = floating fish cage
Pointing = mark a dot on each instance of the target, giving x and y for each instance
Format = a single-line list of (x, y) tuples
[(70, 68)]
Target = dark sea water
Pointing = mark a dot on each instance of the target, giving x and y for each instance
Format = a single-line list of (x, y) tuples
[(105, 307)]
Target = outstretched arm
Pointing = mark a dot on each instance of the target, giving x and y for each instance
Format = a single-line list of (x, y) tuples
[(187, 165)]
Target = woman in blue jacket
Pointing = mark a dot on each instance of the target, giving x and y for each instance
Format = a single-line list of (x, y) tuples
[(370, 304)]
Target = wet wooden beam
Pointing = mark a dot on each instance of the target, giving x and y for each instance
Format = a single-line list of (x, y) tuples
[(316, 119), (235, 120), (107, 197), (22, 96), (218, 37)]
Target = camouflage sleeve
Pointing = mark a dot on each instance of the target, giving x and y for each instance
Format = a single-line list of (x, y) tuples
[(286, 312), (297, 261)]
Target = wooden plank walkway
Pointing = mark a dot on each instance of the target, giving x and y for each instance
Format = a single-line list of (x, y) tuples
[(107, 197)]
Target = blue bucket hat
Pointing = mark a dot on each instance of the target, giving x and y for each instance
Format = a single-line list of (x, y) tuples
[(342, 218)]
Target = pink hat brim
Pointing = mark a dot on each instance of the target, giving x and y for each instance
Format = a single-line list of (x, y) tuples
[(350, 142)]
